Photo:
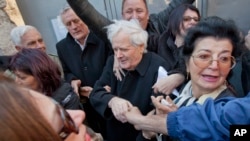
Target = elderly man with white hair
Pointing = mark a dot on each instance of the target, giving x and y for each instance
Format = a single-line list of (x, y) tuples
[(129, 42), (28, 36)]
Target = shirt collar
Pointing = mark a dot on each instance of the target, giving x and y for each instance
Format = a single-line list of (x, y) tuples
[(84, 44), (142, 67)]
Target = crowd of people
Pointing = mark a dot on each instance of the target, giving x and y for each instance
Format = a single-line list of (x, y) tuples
[(168, 76)]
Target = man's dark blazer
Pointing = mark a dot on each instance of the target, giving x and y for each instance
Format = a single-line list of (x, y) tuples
[(85, 65)]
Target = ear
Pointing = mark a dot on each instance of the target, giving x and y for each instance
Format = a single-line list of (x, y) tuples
[(142, 48)]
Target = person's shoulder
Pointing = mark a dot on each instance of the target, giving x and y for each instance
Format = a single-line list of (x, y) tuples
[(154, 59), (111, 58), (52, 55), (93, 38), (65, 40), (63, 90), (156, 56)]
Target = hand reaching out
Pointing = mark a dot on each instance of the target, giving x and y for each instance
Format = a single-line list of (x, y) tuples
[(119, 107), (107, 88), (147, 134), (161, 108), (117, 70), (167, 84), (133, 115), (76, 85), (85, 91)]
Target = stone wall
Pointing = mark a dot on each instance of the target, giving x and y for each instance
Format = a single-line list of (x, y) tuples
[(6, 46)]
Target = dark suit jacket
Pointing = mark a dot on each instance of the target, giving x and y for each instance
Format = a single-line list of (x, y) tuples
[(136, 87), (85, 65)]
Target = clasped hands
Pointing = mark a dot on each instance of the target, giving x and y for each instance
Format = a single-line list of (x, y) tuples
[(124, 111), (135, 117), (84, 90), (119, 107)]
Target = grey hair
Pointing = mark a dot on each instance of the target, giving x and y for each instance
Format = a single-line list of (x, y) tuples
[(65, 8), (138, 36), (17, 33)]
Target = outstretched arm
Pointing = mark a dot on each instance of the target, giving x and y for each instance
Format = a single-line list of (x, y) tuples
[(95, 20), (156, 123), (167, 84), (212, 120)]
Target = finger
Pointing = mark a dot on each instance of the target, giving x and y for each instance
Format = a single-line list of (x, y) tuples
[(78, 82), (158, 98), (154, 85), (125, 107), (155, 89), (121, 71), (118, 76), (130, 105), (107, 88), (76, 90), (115, 113), (156, 101), (120, 116), (169, 100), (123, 119), (84, 89)]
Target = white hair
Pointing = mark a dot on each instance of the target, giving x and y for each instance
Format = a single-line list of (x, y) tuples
[(17, 33), (138, 36), (65, 9)]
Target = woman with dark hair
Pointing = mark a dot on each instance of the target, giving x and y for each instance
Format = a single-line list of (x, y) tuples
[(35, 70), (169, 44), (210, 49), (209, 53)]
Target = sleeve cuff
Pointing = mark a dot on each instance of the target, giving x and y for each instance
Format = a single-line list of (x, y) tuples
[(172, 125)]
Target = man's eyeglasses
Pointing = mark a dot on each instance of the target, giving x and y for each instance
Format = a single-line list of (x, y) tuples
[(188, 19), (68, 123), (203, 61)]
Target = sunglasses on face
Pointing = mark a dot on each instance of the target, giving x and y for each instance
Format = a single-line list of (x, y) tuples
[(68, 126), (188, 19)]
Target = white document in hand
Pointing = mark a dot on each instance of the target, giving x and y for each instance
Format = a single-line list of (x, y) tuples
[(163, 73)]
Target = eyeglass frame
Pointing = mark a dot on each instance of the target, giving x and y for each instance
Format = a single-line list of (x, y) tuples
[(233, 60), (189, 18), (69, 125)]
